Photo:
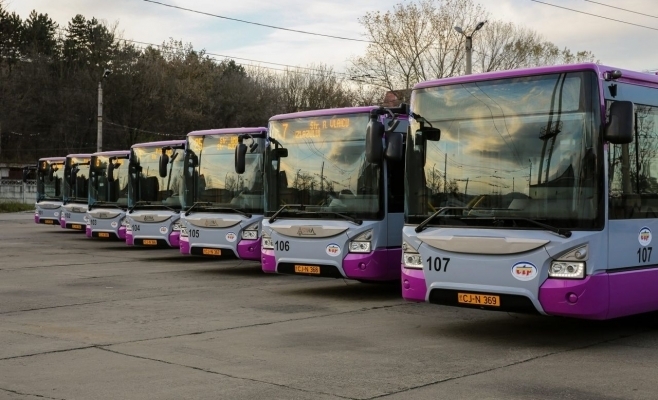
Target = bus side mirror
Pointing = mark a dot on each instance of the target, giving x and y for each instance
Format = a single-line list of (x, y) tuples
[(374, 135), (240, 154), (164, 162), (394, 146), (429, 133), (621, 128), (279, 153)]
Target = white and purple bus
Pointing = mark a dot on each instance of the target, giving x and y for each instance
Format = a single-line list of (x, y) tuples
[(334, 193), (108, 195), (155, 191), (534, 190), (224, 208), (73, 214), (50, 188)]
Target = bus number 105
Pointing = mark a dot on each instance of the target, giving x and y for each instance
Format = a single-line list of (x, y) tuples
[(438, 263)]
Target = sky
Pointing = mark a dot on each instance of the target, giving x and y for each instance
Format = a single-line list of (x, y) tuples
[(613, 43)]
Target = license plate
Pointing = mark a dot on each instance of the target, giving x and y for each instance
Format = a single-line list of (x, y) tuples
[(76, 226), (104, 235), (149, 242), (49, 222), (478, 299), (307, 269), (211, 252)]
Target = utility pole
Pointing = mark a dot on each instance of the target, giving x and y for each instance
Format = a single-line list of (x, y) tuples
[(99, 135), (469, 45), (445, 174)]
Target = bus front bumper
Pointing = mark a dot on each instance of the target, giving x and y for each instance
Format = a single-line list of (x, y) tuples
[(414, 287)]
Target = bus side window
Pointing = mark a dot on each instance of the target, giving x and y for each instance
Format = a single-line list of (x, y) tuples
[(633, 170)]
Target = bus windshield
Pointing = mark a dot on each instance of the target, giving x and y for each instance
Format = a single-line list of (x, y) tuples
[(49, 180), (511, 152), (109, 185), (210, 174), (146, 184), (76, 179), (325, 172)]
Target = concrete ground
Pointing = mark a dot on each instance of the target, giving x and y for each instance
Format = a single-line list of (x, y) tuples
[(86, 319)]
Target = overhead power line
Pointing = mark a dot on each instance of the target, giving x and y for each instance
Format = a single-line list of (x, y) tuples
[(622, 9), (595, 15), (257, 23)]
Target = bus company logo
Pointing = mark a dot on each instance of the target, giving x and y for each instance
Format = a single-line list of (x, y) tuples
[(102, 215), (56, 213), (305, 231), (333, 250), (164, 229), (524, 271), (114, 224), (231, 237), (149, 218), (644, 237), (212, 223)]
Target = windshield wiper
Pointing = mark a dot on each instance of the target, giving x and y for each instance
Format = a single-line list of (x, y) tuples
[(280, 210), (560, 231), (195, 205), (344, 216), (422, 225)]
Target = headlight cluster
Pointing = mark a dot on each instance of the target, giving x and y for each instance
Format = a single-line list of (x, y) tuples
[(124, 222), (250, 232), (567, 269), (176, 226), (410, 257), (361, 243), (570, 265), (267, 242), (183, 232)]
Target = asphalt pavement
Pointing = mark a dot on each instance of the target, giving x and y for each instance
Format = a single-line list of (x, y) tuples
[(85, 318)]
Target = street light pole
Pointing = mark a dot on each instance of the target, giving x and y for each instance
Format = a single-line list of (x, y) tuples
[(469, 45), (99, 134)]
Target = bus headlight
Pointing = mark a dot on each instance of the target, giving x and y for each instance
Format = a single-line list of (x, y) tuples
[(567, 270), (250, 232), (361, 243), (124, 222), (410, 257), (267, 242), (176, 226)]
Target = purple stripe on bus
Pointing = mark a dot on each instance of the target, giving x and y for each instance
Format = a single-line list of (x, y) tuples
[(328, 111), (580, 298), (88, 231), (380, 265), (226, 131), (130, 240), (414, 287), (112, 153), (62, 222), (633, 292), (121, 233), (157, 144), (249, 249), (53, 159), (268, 261), (184, 246), (36, 218), (627, 76), (174, 239)]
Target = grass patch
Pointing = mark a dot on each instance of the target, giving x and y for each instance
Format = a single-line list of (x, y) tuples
[(15, 207)]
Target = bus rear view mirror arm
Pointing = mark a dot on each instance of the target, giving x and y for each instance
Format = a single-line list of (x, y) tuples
[(621, 127)]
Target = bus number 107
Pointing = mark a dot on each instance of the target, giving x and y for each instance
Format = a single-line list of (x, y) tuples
[(438, 263), (644, 254)]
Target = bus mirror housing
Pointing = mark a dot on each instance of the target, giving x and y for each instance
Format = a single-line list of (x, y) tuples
[(240, 154), (164, 161), (429, 133), (51, 173), (394, 146), (621, 127), (279, 152), (374, 135), (110, 169)]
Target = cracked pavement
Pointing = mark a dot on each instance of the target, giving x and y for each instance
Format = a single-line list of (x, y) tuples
[(84, 318)]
